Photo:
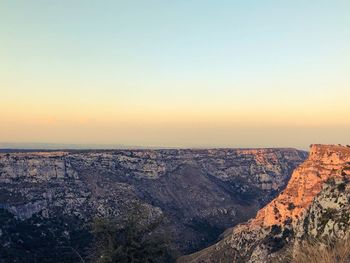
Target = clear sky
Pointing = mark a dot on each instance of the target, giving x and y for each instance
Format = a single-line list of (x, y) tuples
[(175, 73)]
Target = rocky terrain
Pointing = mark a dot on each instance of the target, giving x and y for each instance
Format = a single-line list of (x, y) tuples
[(48, 198), (315, 204)]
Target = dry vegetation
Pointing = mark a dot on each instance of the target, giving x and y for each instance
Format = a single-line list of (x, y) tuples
[(318, 252)]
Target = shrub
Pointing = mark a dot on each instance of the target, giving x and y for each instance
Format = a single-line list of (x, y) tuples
[(291, 206), (341, 187), (134, 239)]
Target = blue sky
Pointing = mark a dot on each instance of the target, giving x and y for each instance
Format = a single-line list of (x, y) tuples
[(217, 67)]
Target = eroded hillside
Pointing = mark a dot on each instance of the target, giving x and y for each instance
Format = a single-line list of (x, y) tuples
[(315, 204), (200, 192)]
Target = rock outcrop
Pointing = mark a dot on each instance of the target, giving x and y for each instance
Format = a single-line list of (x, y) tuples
[(315, 203), (200, 192)]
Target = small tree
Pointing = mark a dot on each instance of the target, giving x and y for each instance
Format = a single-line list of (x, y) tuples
[(133, 239)]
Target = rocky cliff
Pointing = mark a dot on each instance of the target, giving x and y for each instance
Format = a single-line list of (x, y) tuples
[(315, 204), (200, 192)]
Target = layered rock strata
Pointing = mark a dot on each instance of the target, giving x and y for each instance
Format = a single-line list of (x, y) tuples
[(319, 187), (200, 192)]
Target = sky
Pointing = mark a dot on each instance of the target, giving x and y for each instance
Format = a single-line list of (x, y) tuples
[(185, 73)]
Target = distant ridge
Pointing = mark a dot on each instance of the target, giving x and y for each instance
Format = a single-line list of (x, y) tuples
[(10, 147), (62, 146)]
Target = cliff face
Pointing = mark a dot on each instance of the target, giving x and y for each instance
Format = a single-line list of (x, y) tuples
[(306, 182), (200, 192), (314, 203), (329, 213)]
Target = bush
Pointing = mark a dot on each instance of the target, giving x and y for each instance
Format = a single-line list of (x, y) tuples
[(131, 240), (291, 206), (341, 187)]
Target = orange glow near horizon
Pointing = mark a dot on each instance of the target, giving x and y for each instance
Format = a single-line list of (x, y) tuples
[(228, 74)]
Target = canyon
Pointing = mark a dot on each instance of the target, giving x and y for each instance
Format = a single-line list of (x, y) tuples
[(315, 204), (47, 198)]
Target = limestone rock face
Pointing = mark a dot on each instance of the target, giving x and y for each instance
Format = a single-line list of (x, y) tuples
[(200, 192), (329, 213), (314, 203), (324, 162)]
